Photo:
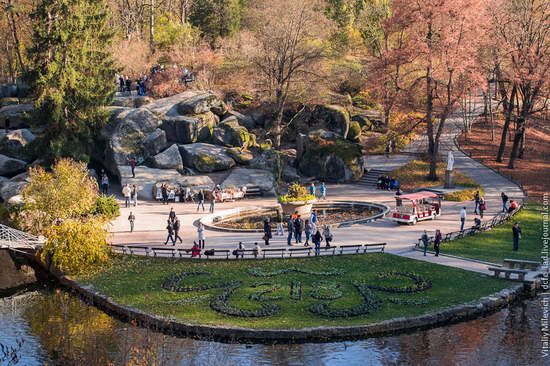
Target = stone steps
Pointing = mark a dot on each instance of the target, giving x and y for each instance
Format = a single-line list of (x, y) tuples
[(371, 178)]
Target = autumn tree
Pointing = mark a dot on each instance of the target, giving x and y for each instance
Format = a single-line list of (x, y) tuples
[(289, 36), (521, 44), (72, 74), (216, 18)]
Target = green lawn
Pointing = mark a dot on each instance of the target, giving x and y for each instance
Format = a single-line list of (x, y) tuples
[(496, 244), (336, 290)]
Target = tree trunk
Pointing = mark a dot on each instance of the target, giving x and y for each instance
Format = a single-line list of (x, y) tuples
[(432, 148), (508, 109), (152, 27), (521, 153), (15, 36), (517, 139), (10, 66)]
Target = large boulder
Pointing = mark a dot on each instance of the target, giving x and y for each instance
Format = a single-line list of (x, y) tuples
[(241, 156), (168, 159), (147, 179), (162, 106), (10, 189), (244, 177), (132, 101), (10, 166), (189, 129), (329, 157), (199, 104), (17, 113), (132, 133), (206, 158), (243, 120), (334, 118), (230, 133), (12, 142)]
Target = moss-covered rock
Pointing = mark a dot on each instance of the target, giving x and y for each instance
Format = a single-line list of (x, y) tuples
[(327, 156), (189, 129), (241, 156), (230, 133), (266, 145), (206, 158), (335, 118), (354, 133)]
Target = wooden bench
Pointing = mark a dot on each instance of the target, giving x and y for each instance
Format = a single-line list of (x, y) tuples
[(299, 250), (345, 247), (157, 251), (268, 251), (136, 248), (507, 272), (253, 192), (213, 252), (374, 247), (183, 252), (522, 264), (448, 237)]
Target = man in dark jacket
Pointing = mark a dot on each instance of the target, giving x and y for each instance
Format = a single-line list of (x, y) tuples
[(516, 233), (299, 227), (290, 228), (170, 229), (504, 201)]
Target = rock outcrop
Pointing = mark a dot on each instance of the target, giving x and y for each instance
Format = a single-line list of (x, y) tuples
[(240, 156), (189, 129), (17, 113), (327, 156), (244, 177), (10, 166), (206, 158), (168, 159)]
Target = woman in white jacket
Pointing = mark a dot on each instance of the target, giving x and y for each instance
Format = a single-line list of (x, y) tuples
[(202, 235)]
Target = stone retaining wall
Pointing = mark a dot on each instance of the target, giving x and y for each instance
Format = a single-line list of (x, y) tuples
[(484, 306)]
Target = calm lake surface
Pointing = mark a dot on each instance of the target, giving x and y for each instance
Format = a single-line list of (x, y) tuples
[(54, 327)]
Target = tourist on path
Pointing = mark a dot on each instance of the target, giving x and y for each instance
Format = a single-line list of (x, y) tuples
[(133, 195), (298, 228), (388, 147), (482, 206), (200, 198), (164, 192), (280, 227), (327, 233), (121, 83), (129, 85), (202, 235), (104, 184), (132, 219), (195, 250), (513, 206), (126, 192), (462, 218), (317, 238), (309, 227), (172, 215), (312, 189), (257, 250), (291, 229), (170, 237), (437, 241), (177, 227), (516, 233), (267, 231), (132, 162), (426, 241), (476, 202), (504, 198), (212, 201), (314, 219), (323, 191)]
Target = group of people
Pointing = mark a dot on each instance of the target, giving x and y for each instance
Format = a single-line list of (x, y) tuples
[(125, 84), (173, 227), (130, 195), (296, 226), (387, 183), (312, 189)]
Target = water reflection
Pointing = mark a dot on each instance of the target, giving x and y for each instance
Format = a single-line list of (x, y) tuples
[(57, 328)]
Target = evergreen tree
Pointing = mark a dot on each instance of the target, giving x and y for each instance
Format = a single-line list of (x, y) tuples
[(217, 18), (72, 74)]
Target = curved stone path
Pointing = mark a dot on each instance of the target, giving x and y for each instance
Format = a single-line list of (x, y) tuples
[(151, 217)]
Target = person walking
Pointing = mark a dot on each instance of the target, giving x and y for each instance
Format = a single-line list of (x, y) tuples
[(388, 147), (476, 202), (133, 195), (131, 219), (202, 235), (121, 83), (177, 227), (516, 233), (212, 201), (164, 193), (133, 163), (267, 231), (172, 215), (257, 250), (126, 192), (482, 207), (280, 227), (298, 228), (104, 184), (462, 218), (426, 241), (437, 241), (323, 191), (504, 198), (314, 219), (200, 198), (327, 233), (312, 189), (317, 238), (291, 230), (308, 231), (129, 85), (170, 229)]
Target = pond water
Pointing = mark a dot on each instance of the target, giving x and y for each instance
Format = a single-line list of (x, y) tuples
[(54, 327)]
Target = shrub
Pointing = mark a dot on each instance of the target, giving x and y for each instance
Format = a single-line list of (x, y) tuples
[(296, 193), (354, 133), (106, 207), (166, 83)]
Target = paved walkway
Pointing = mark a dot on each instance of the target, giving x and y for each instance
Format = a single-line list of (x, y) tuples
[(151, 217)]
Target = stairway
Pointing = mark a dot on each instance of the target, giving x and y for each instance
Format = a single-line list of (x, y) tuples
[(371, 178)]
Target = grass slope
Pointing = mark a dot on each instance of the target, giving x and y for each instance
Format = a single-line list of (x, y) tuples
[(136, 281), (496, 244)]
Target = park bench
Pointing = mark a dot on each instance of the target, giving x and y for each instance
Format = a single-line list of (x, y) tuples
[(507, 272), (213, 252), (448, 237), (460, 235), (419, 242), (156, 251), (268, 251), (374, 247), (138, 249), (522, 264), (299, 250), (253, 192), (352, 247), (182, 252)]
